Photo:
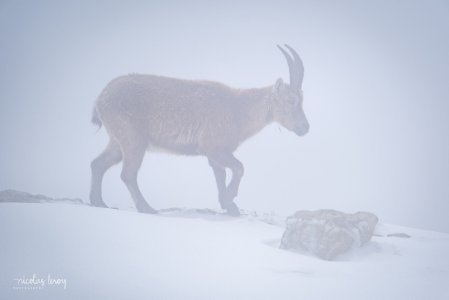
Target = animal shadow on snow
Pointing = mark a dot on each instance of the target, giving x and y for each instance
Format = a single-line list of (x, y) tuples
[(195, 213)]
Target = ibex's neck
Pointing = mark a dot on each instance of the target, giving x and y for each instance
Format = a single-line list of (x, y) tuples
[(256, 110)]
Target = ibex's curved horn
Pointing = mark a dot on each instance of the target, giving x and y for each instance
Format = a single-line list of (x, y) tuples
[(299, 67), (291, 66)]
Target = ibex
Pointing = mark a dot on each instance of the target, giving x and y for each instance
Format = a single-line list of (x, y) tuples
[(145, 112)]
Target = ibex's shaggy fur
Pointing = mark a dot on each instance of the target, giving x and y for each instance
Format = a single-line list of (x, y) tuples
[(145, 112)]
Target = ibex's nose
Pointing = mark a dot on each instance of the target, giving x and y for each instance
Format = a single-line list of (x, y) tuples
[(303, 129)]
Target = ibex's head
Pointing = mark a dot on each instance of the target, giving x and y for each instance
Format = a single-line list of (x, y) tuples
[(288, 98)]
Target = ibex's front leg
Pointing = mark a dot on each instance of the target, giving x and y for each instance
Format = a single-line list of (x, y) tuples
[(220, 178), (227, 194)]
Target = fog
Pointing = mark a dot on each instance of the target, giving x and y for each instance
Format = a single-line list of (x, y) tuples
[(375, 88)]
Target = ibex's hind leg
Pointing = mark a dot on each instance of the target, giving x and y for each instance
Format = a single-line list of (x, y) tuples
[(133, 154), (109, 157), (226, 196)]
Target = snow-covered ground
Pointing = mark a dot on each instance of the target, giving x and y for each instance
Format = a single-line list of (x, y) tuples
[(94, 253)]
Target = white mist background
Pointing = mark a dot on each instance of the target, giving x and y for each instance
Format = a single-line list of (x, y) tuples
[(376, 96)]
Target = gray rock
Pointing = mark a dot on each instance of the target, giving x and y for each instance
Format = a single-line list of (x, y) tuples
[(399, 235), (23, 197), (328, 233)]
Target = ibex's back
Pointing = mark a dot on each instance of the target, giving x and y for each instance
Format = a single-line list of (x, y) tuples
[(145, 112), (177, 115)]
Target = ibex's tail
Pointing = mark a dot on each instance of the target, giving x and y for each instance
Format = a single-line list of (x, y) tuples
[(95, 119)]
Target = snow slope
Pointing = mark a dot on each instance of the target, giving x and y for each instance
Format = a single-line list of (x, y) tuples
[(188, 254)]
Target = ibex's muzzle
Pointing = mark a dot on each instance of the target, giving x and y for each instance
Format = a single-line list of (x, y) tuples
[(302, 130)]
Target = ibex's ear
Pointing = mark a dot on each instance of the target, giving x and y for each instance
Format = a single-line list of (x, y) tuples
[(278, 86)]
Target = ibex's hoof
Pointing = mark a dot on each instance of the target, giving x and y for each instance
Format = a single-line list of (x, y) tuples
[(232, 209), (99, 204), (146, 209)]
